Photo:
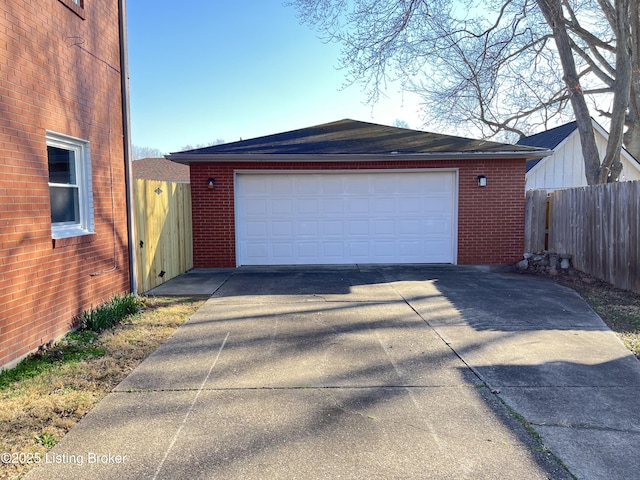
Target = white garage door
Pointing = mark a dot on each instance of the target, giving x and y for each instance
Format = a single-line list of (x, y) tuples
[(346, 218)]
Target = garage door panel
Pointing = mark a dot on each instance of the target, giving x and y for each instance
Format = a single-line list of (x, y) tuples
[(333, 206), (279, 206), (282, 229), (358, 228), (308, 229), (282, 250), (437, 183), (384, 250), (384, 227), (358, 250), (346, 217), (410, 206), (256, 229), (333, 185), (383, 185), (307, 206), (281, 186), (333, 228), (358, 206), (333, 250), (435, 226), (256, 207), (255, 186), (384, 205), (308, 185), (410, 249), (257, 250), (308, 252), (356, 185), (412, 185), (410, 227)]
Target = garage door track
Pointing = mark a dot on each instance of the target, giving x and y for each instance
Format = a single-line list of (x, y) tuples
[(371, 372)]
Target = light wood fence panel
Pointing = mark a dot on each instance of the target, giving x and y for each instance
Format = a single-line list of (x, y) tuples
[(164, 247), (599, 226)]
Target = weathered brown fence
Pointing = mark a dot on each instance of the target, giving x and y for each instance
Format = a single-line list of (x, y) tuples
[(536, 221), (598, 225), (163, 231)]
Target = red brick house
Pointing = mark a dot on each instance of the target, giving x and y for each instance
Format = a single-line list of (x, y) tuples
[(64, 237), (355, 192)]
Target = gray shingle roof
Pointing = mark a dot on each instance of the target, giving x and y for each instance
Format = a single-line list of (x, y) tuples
[(160, 169), (350, 137), (548, 139)]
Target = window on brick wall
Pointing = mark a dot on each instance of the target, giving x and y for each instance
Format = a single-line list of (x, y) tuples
[(76, 6), (69, 186)]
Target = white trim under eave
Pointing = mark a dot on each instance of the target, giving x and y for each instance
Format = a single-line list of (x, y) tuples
[(186, 158)]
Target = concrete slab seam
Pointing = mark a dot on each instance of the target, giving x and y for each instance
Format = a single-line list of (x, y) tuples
[(528, 426), (584, 426), (195, 399), (448, 344), (535, 435), (298, 387), (223, 283)]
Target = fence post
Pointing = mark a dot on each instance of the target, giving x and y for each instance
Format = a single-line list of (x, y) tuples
[(547, 219)]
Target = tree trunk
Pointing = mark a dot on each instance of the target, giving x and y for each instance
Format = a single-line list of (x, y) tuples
[(552, 11), (632, 140), (632, 136), (611, 166)]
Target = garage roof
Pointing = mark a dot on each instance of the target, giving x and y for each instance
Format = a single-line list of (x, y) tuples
[(160, 169), (345, 139)]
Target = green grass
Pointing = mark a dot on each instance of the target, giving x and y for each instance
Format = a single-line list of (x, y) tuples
[(45, 395), (75, 346), (109, 313), (46, 440)]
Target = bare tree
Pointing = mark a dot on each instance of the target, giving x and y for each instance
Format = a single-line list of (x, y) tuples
[(218, 141), (506, 67), (139, 152)]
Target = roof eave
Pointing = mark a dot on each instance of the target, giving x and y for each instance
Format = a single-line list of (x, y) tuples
[(186, 158)]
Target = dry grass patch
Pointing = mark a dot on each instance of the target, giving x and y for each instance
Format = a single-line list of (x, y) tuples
[(64, 382)]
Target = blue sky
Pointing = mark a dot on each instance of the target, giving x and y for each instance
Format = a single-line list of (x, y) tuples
[(207, 70)]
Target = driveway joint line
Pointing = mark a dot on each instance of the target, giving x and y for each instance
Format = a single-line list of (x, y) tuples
[(586, 426), (306, 387), (193, 403), (435, 330)]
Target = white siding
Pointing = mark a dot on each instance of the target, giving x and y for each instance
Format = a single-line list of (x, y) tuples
[(565, 168)]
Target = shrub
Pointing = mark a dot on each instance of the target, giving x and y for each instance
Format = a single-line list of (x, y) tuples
[(109, 313)]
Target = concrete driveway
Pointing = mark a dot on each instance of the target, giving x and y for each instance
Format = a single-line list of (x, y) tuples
[(370, 372)]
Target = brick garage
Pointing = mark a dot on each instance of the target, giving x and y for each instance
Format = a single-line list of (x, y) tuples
[(488, 221), (60, 84)]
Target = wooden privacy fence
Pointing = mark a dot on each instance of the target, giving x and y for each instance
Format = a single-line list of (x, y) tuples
[(598, 225), (163, 231), (536, 226)]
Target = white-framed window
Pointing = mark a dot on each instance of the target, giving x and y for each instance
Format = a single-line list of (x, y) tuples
[(70, 187)]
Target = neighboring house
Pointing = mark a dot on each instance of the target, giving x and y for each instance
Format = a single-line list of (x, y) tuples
[(353, 192), (64, 237), (565, 167), (160, 169)]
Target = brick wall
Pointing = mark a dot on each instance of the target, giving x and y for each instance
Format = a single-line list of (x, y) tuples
[(490, 219), (59, 72)]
